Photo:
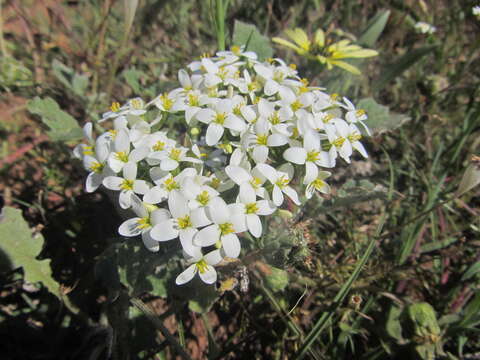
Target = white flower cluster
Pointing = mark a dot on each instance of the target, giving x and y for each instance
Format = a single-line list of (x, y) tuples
[(266, 129)]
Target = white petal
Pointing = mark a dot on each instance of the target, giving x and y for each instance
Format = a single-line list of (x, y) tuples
[(213, 257), (277, 140), (209, 276), (357, 145), (265, 207), (238, 174), (231, 245), (235, 123), (268, 171), (186, 275), (207, 236), (94, 180), (260, 154), (214, 134), (130, 228), (138, 207), (150, 243), (122, 141), (125, 199), (311, 172), (271, 87), (155, 195), (177, 204), (254, 225), (218, 211), (277, 196), (296, 155), (186, 239), (139, 153), (130, 170), (164, 231), (140, 187), (113, 183), (292, 194), (199, 218), (247, 193), (311, 141), (168, 164), (159, 215), (205, 115)]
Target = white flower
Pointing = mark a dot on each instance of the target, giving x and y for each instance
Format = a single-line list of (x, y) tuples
[(147, 217), (314, 180), (425, 28), (476, 11), (97, 165), (219, 117), (228, 220), (354, 115), (183, 224), (85, 149), (165, 183), (201, 264), (121, 152), (127, 185), (253, 208), (280, 180), (170, 158), (309, 153)]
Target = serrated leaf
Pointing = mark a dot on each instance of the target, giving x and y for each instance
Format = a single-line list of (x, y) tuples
[(22, 249), (374, 29), (247, 34), (398, 67), (470, 179), (62, 127), (380, 119)]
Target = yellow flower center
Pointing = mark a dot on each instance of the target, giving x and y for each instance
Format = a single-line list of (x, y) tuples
[(203, 198), (166, 102), (339, 142), (159, 146), (237, 110), (175, 154), (144, 223), (251, 208), (215, 183), (296, 105), (334, 97), (127, 184), (122, 156), (256, 182), (220, 118), (278, 76), (136, 104), (97, 167), (318, 183), (235, 49), (360, 112), (113, 133), (193, 100), (292, 66), (262, 139), (282, 182), (274, 118), (226, 228), (354, 137), (202, 266), (212, 91), (312, 156), (327, 118), (88, 150), (171, 184), (253, 86), (184, 222), (115, 107)]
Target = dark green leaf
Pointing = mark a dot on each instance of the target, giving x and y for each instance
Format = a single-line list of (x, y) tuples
[(244, 34)]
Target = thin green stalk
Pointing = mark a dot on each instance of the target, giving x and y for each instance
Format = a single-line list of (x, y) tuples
[(3, 47), (139, 304)]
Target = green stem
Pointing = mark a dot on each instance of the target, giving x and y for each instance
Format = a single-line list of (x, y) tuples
[(3, 47), (220, 11)]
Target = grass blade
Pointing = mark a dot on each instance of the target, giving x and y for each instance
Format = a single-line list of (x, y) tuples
[(374, 29)]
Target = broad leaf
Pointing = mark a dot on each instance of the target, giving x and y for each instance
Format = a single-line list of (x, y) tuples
[(246, 34), (62, 127), (380, 119), (22, 250)]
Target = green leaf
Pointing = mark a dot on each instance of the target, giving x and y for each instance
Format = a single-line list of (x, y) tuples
[(424, 319), (73, 81), (374, 29), (62, 127), (470, 179), (132, 77), (22, 249), (277, 279), (471, 271), (247, 34), (380, 119), (201, 296), (398, 67), (393, 326), (130, 10)]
